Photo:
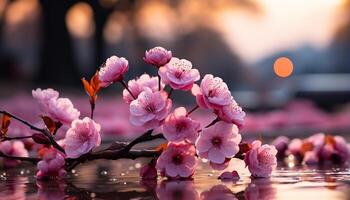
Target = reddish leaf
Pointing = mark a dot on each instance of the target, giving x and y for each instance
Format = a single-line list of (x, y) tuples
[(162, 147), (87, 87), (244, 147), (306, 146), (329, 139), (50, 124), (95, 83), (40, 138), (5, 123)]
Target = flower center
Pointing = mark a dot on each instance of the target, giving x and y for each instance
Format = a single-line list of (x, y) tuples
[(150, 108), (180, 126), (177, 160), (216, 141)]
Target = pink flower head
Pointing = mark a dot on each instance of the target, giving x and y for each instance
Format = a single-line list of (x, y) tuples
[(136, 86), (281, 144), (177, 161), (52, 164), (150, 108), (212, 93), (178, 127), (178, 73), (335, 149), (218, 142), (311, 158), (261, 160), (149, 171), (13, 148), (157, 56), (231, 113), (113, 70), (294, 147), (62, 109), (82, 137), (43, 97)]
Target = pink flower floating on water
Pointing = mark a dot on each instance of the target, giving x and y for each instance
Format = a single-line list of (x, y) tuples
[(177, 161), (261, 159), (13, 148), (179, 127), (319, 149), (219, 142), (150, 108), (136, 86), (149, 171), (178, 73), (82, 137), (157, 56), (113, 70), (52, 165)]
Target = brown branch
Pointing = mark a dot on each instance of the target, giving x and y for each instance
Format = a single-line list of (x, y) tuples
[(29, 159), (192, 110), (16, 138), (42, 130), (127, 88)]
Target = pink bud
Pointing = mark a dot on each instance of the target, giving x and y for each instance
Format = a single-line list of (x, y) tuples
[(40, 138)]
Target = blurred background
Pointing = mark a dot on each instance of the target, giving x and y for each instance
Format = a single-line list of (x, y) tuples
[(54, 43)]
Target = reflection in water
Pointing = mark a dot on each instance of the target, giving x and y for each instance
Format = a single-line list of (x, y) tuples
[(88, 183), (260, 189), (181, 190)]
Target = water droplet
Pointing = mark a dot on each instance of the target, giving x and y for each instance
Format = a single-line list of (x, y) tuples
[(92, 195), (113, 179), (28, 171), (103, 172), (73, 171), (124, 183), (122, 174), (138, 165), (21, 172)]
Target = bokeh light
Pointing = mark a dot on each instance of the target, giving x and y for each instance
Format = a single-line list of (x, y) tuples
[(79, 20)]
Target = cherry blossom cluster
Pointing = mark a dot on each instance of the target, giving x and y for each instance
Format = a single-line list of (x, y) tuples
[(151, 107), (317, 149)]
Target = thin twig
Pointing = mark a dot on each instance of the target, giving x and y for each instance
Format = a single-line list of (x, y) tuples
[(127, 88), (159, 80), (192, 110), (170, 92), (42, 130), (213, 122), (29, 159), (16, 138)]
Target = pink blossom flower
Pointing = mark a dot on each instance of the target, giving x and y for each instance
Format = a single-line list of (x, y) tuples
[(52, 164), (335, 149), (149, 171), (157, 56), (234, 176), (136, 86), (218, 192), (177, 161), (218, 142), (113, 70), (43, 97), (178, 127), (231, 113), (177, 190), (212, 93), (294, 147), (178, 73), (13, 148), (62, 109), (82, 137), (311, 158), (281, 144), (261, 160), (150, 108)]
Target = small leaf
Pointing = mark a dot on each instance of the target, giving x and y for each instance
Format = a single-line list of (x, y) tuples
[(50, 124), (306, 146), (40, 138), (95, 83), (329, 139), (244, 147), (162, 147), (87, 87), (5, 123)]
